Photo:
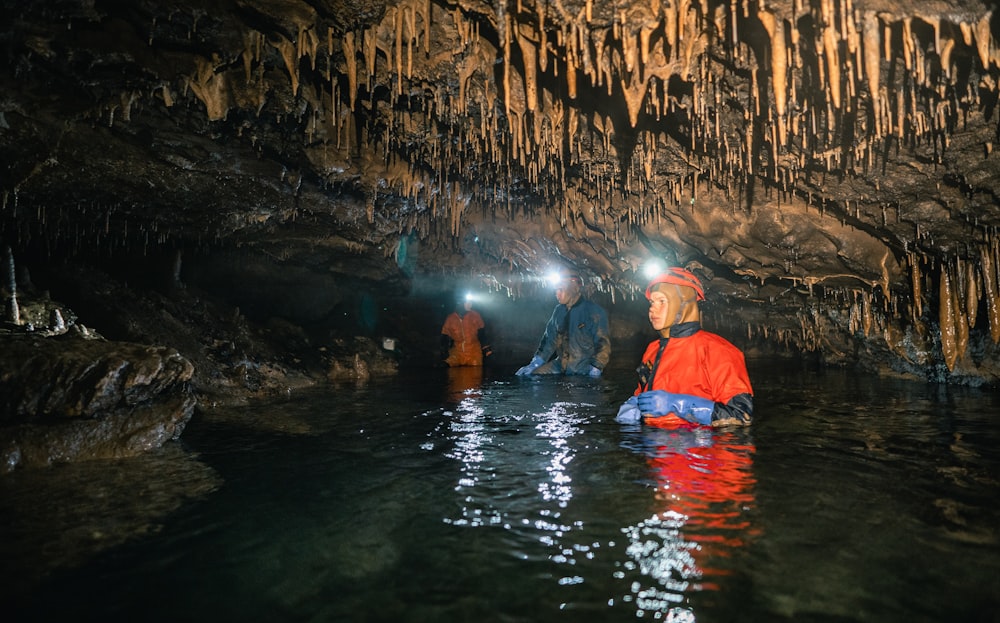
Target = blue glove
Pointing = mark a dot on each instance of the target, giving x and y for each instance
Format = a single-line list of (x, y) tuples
[(531, 367), (694, 409), (594, 371), (629, 412)]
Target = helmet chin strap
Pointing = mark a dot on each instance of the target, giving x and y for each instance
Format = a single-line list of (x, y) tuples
[(684, 304)]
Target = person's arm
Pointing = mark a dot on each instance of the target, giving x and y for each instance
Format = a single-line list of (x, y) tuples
[(738, 411), (602, 339), (484, 344), (731, 379), (546, 347), (694, 409), (481, 334), (451, 327)]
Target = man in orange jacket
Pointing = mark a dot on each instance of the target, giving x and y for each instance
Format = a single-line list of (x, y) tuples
[(461, 334), (689, 374)]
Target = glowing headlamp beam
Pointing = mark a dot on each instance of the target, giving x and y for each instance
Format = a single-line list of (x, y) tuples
[(652, 268)]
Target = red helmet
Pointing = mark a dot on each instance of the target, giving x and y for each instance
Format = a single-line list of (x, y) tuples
[(680, 277)]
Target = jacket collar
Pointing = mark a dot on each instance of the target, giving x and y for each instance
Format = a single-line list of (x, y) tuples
[(685, 329)]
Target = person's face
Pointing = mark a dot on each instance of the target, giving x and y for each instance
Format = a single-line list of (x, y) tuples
[(664, 304), (567, 291)]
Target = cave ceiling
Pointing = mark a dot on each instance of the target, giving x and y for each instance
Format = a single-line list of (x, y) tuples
[(787, 150)]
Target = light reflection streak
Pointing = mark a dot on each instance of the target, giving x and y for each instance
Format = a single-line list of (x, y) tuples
[(488, 481), (703, 491), (558, 425)]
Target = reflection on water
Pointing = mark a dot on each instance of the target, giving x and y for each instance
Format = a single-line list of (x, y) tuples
[(464, 382), (468, 495), (63, 516), (704, 483)]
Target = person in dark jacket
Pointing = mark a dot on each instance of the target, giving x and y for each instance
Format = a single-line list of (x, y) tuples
[(576, 338), (688, 375)]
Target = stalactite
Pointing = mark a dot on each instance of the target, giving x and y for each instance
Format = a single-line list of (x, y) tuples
[(351, 59), (984, 38), (581, 38), (507, 25), (629, 48), (645, 32), (210, 88), (947, 320), (529, 56), (308, 44), (13, 312), (289, 53), (917, 283), (691, 41), (546, 141), (831, 55), (991, 276), (958, 304), (409, 20), (599, 64), (867, 319), (972, 285), (634, 93), (370, 47), (397, 26), (872, 67), (252, 42), (779, 67)]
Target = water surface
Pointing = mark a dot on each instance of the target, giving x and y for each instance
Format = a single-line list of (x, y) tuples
[(448, 495)]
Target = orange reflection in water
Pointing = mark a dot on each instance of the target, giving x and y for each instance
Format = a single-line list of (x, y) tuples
[(704, 491), (464, 381)]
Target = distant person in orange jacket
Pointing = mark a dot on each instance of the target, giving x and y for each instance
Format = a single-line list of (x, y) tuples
[(688, 375), (463, 335)]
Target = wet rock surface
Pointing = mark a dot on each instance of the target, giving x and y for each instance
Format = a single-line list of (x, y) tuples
[(72, 392), (71, 398)]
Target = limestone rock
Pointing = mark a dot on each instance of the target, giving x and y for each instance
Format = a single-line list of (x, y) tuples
[(69, 398)]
